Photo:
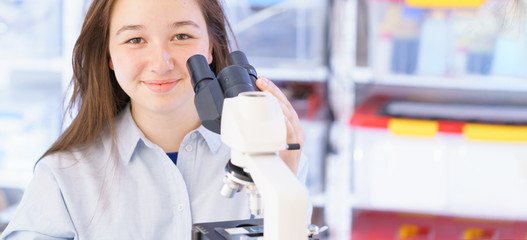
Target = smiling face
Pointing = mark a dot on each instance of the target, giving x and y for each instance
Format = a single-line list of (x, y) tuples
[(150, 42)]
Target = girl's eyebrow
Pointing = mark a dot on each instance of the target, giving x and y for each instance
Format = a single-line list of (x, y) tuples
[(130, 27), (184, 23), (174, 25)]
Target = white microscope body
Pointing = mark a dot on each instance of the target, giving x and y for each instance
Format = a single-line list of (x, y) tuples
[(253, 126)]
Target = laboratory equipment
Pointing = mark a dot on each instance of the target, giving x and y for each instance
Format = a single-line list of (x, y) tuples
[(243, 230), (236, 78), (251, 123)]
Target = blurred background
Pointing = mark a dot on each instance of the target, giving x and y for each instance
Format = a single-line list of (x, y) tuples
[(415, 110)]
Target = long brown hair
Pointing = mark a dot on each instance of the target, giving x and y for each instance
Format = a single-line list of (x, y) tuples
[(96, 93)]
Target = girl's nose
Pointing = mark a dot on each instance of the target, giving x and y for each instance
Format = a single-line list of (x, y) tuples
[(161, 61)]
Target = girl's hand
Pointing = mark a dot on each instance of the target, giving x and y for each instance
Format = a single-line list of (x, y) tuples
[(295, 131)]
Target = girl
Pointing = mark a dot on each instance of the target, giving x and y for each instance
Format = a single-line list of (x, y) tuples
[(110, 174)]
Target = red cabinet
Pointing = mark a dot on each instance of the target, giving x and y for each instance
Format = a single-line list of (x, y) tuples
[(378, 225)]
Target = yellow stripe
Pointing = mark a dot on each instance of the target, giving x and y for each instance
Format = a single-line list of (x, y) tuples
[(413, 127), (495, 132), (407, 231), (445, 3), (473, 233)]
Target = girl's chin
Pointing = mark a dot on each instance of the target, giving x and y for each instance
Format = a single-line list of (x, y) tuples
[(166, 106)]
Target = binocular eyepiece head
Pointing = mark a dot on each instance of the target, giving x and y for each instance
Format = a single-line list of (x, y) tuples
[(210, 90)]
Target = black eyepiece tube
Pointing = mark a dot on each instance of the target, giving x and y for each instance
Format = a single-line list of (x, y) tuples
[(235, 80), (209, 94), (199, 70), (239, 58)]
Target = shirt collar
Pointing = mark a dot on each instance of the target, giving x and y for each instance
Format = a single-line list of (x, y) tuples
[(128, 135), (212, 139)]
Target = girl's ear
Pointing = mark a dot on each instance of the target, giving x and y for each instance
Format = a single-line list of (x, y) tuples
[(209, 57), (110, 63)]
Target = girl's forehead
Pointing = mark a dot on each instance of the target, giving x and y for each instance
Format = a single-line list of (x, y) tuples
[(155, 11)]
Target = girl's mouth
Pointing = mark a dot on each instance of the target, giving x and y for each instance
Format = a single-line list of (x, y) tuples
[(161, 86)]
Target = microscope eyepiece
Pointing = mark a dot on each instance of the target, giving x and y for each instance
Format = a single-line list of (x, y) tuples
[(235, 80), (239, 58), (200, 72), (209, 95)]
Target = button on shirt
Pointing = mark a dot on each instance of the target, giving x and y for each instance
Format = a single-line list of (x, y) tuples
[(129, 189)]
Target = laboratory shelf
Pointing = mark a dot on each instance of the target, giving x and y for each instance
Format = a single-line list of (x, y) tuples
[(318, 74), (444, 175), (468, 82), (284, 40)]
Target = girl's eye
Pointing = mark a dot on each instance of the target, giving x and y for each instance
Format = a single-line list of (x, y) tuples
[(181, 36), (135, 41)]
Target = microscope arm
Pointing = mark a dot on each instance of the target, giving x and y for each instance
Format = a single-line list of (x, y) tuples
[(284, 197)]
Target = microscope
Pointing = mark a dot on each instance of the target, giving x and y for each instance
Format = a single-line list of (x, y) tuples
[(252, 124)]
